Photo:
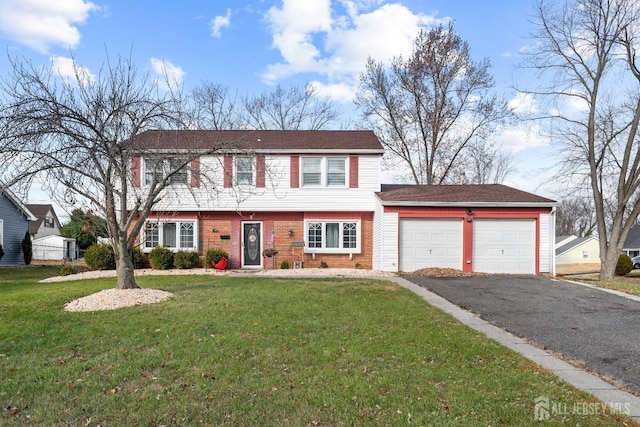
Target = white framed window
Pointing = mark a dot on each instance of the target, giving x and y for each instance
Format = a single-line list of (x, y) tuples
[(329, 236), (48, 222), (175, 235), (585, 254), (244, 168), (324, 172), (155, 167)]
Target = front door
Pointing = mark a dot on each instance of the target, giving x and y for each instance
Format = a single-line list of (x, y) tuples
[(252, 245)]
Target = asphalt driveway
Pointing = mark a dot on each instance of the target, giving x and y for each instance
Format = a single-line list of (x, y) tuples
[(586, 324)]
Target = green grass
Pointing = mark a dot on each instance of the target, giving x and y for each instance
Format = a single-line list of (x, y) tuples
[(258, 351)]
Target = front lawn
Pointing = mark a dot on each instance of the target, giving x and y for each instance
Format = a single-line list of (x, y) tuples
[(259, 351)]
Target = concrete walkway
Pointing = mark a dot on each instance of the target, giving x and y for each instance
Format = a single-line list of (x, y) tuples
[(617, 399)]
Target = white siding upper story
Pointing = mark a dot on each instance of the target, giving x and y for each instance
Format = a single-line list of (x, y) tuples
[(278, 192)]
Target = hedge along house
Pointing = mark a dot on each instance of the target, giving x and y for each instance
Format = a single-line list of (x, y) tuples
[(308, 194), (474, 228)]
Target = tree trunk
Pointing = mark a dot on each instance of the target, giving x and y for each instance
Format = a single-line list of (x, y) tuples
[(124, 267), (608, 266)]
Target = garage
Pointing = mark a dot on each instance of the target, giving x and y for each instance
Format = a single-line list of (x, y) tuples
[(504, 246), (428, 243), (489, 228)]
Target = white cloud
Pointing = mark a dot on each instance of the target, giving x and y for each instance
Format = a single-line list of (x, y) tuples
[(220, 22), (168, 74), (522, 137), (313, 37), (65, 68), (523, 103), (40, 24), (340, 92)]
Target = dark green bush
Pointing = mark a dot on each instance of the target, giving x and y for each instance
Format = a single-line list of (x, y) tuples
[(68, 269), (215, 255), (186, 259), (284, 265), (1, 252), (27, 248), (624, 265), (161, 258), (137, 258), (100, 257), (323, 265)]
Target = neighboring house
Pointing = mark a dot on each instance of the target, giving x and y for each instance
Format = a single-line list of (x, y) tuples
[(14, 224), (46, 224), (315, 196), (54, 247), (632, 244), (577, 250), (475, 228)]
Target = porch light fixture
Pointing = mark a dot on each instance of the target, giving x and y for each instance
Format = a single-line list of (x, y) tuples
[(469, 211), (290, 233), (214, 230)]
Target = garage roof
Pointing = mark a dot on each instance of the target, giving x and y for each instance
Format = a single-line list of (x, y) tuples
[(458, 195)]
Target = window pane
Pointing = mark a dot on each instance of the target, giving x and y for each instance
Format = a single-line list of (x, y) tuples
[(333, 235), (169, 234), (336, 172), (244, 171), (151, 235), (349, 235), (180, 177), (152, 168), (186, 235), (311, 171), (315, 235)]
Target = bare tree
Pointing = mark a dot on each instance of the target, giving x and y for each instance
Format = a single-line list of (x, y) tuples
[(79, 133), (215, 108), (430, 108), (587, 50), (575, 216), (296, 108)]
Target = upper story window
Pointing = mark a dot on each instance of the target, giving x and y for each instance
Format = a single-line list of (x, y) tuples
[(48, 222), (244, 167), (324, 171), (158, 168)]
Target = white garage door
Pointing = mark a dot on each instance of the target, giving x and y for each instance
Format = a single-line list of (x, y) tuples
[(428, 243), (504, 246)]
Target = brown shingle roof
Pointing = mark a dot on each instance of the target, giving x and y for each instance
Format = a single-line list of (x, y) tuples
[(40, 212), (486, 194), (261, 140)]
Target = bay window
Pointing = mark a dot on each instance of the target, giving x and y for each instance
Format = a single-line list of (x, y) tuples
[(332, 236), (175, 235)]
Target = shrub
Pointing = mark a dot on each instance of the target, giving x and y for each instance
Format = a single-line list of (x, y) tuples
[(323, 264), (186, 259), (27, 248), (215, 255), (1, 252), (624, 265), (68, 269), (161, 258), (284, 265), (100, 257), (137, 258)]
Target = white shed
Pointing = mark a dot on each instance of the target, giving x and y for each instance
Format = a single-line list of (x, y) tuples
[(54, 247)]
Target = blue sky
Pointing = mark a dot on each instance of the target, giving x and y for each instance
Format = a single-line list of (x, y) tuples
[(251, 45)]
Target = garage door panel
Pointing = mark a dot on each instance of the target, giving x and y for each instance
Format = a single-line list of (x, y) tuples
[(428, 243), (504, 246)]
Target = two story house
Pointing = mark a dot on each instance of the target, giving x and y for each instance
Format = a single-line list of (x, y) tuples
[(316, 197), (308, 194)]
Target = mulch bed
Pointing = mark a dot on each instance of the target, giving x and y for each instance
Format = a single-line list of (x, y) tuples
[(445, 272)]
